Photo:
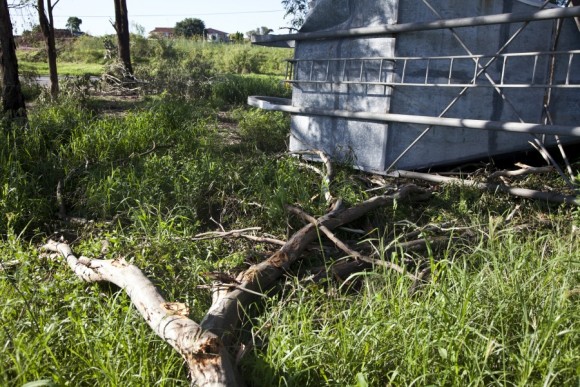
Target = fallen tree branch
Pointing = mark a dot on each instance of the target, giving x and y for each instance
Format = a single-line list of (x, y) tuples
[(326, 177), (203, 346), (207, 358), (344, 268), (521, 192), (223, 318), (237, 234), (8, 265), (523, 171), (352, 253), (223, 234)]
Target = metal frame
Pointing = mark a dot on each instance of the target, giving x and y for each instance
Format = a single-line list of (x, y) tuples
[(503, 18), (399, 77), (284, 105), (395, 72)]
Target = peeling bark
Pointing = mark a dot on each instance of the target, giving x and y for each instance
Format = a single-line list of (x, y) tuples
[(207, 358)]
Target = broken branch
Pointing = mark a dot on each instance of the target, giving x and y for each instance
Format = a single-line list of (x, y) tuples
[(223, 318), (521, 192), (207, 358), (525, 170), (341, 245)]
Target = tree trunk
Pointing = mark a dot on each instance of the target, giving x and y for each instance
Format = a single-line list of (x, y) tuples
[(47, 27), (12, 98), (122, 28)]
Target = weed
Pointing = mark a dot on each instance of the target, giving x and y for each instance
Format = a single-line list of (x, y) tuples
[(500, 308)]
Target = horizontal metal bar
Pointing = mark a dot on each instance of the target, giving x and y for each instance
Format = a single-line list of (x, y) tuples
[(470, 85), (285, 105), (503, 18), (442, 57)]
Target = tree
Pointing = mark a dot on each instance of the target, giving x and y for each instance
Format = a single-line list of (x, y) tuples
[(74, 24), (47, 27), (297, 10), (190, 27), (122, 28), (237, 37), (12, 98), (259, 31)]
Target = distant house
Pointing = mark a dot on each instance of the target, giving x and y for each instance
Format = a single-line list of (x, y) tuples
[(162, 32), (61, 33), (212, 35), (217, 36)]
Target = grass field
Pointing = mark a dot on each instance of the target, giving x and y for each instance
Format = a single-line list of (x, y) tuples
[(149, 172), (72, 69)]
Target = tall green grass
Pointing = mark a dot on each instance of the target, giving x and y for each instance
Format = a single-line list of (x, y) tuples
[(86, 55), (501, 307), (502, 312)]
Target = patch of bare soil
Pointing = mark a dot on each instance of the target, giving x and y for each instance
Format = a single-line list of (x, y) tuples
[(228, 128)]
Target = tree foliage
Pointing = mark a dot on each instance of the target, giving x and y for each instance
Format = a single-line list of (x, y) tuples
[(237, 37), (73, 24), (296, 10), (190, 27), (259, 31)]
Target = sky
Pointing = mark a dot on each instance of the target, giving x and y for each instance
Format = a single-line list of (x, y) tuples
[(224, 15)]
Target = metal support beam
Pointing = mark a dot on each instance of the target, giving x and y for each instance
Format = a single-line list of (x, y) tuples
[(284, 105), (474, 21)]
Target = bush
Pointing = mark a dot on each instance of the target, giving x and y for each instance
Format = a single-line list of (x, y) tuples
[(235, 89), (267, 131), (190, 79)]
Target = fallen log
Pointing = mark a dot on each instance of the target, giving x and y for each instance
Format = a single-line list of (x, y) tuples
[(204, 345), (204, 353)]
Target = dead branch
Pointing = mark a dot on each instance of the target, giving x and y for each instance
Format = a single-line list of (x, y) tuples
[(223, 318), (203, 345), (352, 253), (342, 269), (223, 234), (521, 192), (326, 177), (207, 358), (523, 171), (238, 234), (8, 265)]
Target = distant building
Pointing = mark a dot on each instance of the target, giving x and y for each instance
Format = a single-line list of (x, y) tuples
[(213, 35), (162, 32)]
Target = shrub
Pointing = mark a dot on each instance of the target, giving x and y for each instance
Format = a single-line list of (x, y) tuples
[(235, 89), (267, 131)]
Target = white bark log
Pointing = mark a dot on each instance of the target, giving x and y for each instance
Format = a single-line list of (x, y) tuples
[(208, 361), (202, 345)]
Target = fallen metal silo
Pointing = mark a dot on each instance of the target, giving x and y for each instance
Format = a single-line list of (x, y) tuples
[(407, 84)]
